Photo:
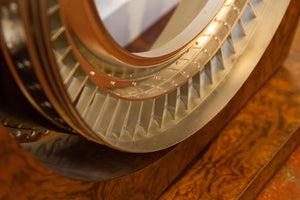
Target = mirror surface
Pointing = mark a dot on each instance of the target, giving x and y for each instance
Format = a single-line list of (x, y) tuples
[(136, 24), (155, 27)]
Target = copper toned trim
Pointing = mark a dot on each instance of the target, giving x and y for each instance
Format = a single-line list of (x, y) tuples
[(91, 31)]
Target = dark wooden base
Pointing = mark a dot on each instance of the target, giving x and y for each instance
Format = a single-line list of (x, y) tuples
[(227, 166)]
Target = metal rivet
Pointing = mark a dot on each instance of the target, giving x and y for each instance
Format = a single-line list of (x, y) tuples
[(92, 73), (236, 10), (226, 24), (27, 63), (33, 133), (197, 64), (47, 132), (217, 39), (20, 65), (46, 104), (18, 133), (206, 51)]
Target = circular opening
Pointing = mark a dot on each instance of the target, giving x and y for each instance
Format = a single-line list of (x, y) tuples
[(155, 28), (98, 35)]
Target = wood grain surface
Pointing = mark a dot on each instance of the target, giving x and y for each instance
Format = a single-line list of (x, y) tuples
[(286, 183), (22, 177)]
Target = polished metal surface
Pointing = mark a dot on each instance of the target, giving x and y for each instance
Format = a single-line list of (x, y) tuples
[(137, 102)]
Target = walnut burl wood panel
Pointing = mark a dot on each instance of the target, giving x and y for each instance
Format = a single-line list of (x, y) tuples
[(285, 184), (21, 177)]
